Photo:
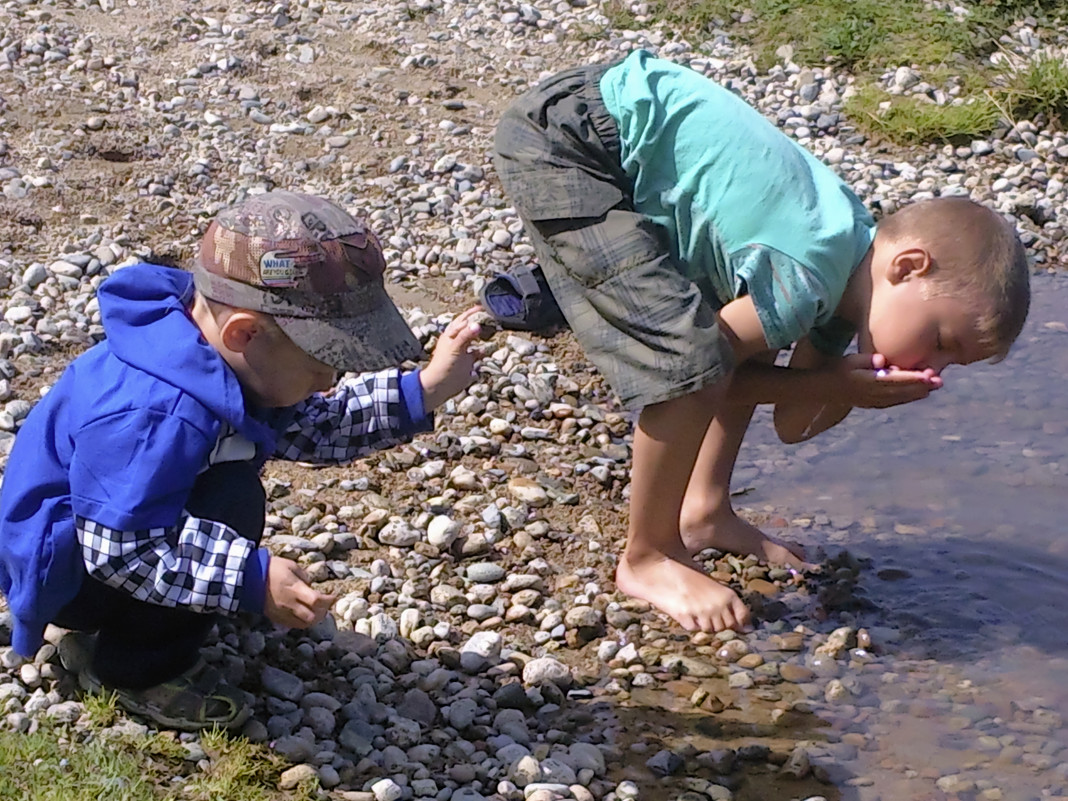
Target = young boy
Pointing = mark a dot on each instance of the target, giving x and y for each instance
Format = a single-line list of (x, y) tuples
[(684, 236), (132, 503)]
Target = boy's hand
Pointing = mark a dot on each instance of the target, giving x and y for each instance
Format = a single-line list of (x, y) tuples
[(291, 600), (452, 366), (869, 382)]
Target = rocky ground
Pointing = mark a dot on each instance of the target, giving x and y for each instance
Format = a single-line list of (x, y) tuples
[(479, 649)]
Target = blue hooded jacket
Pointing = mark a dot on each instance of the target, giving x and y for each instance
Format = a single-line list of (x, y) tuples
[(119, 440)]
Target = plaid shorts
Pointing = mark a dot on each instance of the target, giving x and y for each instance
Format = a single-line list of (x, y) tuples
[(650, 330)]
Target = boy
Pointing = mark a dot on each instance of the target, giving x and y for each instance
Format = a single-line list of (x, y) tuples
[(682, 235), (132, 503)]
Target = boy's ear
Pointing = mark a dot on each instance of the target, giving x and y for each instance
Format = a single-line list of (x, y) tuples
[(238, 331), (913, 261)]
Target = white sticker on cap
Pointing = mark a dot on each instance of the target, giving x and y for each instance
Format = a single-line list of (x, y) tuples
[(279, 269)]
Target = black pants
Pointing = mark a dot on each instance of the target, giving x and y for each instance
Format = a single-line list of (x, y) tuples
[(141, 644)]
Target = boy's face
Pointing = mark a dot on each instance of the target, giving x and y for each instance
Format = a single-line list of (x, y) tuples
[(916, 330), (281, 374)]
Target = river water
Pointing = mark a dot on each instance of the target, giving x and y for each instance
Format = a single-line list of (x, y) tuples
[(961, 502)]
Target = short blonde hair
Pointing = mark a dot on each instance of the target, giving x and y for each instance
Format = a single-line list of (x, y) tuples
[(976, 254), (221, 311)]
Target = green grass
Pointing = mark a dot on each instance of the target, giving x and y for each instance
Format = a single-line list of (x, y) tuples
[(849, 34), (911, 120), (44, 766), (416, 13), (1039, 87), (57, 764), (241, 770), (868, 37)]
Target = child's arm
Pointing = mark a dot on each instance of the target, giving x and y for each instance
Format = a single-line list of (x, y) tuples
[(202, 565), (373, 411), (817, 391)]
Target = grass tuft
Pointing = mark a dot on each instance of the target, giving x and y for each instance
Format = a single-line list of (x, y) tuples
[(1039, 86), (242, 770), (45, 767), (846, 34), (620, 16), (100, 707), (57, 764), (870, 37), (914, 120)]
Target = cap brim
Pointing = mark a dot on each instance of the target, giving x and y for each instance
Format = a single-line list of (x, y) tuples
[(374, 340)]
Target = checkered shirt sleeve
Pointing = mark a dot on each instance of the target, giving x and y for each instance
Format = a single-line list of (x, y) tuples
[(198, 564), (360, 415)]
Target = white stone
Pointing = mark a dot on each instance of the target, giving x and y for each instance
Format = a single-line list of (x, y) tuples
[(387, 790), (442, 531), (399, 533), (528, 491), (546, 669)]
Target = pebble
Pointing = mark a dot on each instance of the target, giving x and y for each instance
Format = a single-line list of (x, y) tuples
[(543, 669), (485, 572), (295, 776), (456, 546)]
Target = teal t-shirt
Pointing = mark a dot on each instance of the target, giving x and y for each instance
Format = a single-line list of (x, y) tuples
[(748, 210)]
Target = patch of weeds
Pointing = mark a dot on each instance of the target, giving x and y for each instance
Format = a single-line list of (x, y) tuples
[(863, 33), (242, 770), (850, 39), (590, 33), (1021, 8), (416, 13), (55, 763), (912, 120), (1038, 86), (695, 15), (46, 766), (620, 16), (100, 707), (849, 34)]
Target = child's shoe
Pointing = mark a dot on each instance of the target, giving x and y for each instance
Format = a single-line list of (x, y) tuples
[(76, 651), (197, 699), (520, 300)]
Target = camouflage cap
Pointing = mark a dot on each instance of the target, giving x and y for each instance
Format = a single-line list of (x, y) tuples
[(317, 270)]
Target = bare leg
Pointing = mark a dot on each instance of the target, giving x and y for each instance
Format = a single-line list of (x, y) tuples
[(655, 565), (707, 519)]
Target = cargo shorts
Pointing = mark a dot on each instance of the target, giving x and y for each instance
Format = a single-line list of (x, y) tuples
[(650, 330)]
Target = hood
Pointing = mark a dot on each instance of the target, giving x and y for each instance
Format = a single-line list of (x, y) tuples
[(144, 305)]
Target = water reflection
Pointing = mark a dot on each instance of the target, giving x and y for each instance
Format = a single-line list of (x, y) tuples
[(967, 490), (961, 500)]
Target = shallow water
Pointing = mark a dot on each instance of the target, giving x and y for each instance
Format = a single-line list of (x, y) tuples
[(965, 494)]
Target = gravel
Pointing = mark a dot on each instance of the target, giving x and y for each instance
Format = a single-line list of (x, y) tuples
[(478, 649)]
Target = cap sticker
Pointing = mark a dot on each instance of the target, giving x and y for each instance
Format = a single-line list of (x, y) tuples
[(278, 268)]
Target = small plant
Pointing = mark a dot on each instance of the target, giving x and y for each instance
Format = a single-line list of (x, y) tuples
[(240, 769), (1038, 86), (100, 707), (45, 766), (620, 16), (850, 39), (916, 120), (420, 12), (852, 34), (55, 763), (701, 15), (590, 33)]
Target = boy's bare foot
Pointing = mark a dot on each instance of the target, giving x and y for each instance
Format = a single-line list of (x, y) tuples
[(728, 532), (674, 585)]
